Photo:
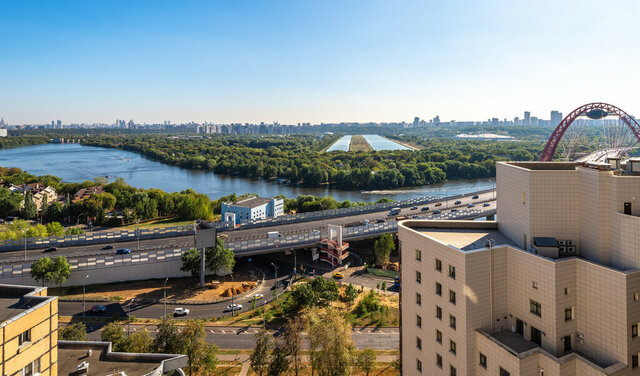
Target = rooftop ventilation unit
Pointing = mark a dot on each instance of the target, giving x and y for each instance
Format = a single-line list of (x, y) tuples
[(571, 249), (562, 242), (571, 242)]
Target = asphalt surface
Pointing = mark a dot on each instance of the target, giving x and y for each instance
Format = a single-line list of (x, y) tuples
[(237, 338), (254, 233)]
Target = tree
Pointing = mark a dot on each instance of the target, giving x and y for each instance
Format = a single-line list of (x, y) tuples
[(41, 270), (366, 361), (29, 210), (330, 340), (292, 338), (61, 270), (200, 356), (114, 333), (383, 248), (54, 212), (167, 340), (217, 259), (139, 342), (350, 293), (55, 229), (278, 362), (191, 262), (74, 332), (260, 356)]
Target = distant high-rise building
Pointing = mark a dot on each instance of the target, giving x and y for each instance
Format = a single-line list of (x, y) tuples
[(416, 121), (527, 118), (131, 124), (2, 123), (53, 124), (436, 120), (58, 124), (556, 118)]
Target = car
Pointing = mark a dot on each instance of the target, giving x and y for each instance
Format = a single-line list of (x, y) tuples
[(471, 205), (414, 208), (457, 202), (486, 204), (338, 275), (123, 251), (233, 307), (454, 210), (425, 208), (379, 220), (475, 197), (52, 249), (107, 247), (256, 297), (436, 211), (439, 204), (98, 309), (180, 311), (223, 236)]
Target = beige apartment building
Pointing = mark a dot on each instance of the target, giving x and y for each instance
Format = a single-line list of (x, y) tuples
[(550, 288)]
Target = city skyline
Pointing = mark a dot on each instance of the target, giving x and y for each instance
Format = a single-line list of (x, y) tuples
[(311, 62)]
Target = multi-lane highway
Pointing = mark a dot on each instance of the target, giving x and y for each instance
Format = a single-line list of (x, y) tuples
[(240, 234)]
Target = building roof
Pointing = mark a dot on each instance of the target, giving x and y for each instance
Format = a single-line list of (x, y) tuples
[(251, 202), (104, 362), (16, 300), (463, 235)]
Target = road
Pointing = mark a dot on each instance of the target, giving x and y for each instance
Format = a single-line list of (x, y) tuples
[(243, 234), (238, 338)]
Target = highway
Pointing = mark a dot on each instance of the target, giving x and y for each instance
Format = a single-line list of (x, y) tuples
[(245, 234)]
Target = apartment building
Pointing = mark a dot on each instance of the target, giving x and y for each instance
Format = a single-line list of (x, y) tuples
[(28, 331), (550, 288)]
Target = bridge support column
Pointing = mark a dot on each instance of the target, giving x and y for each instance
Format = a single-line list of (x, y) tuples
[(491, 217)]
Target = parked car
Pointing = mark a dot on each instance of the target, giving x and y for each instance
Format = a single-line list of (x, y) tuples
[(52, 249), (256, 297), (107, 247), (98, 309), (180, 311), (123, 251), (458, 202), (414, 208), (425, 208), (233, 307), (486, 204), (438, 203), (475, 197), (471, 205), (338, 275)]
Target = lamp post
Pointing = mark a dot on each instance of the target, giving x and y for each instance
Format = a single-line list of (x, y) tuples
[(138, 232), (164, 288), (295, 264), (129, 317), (25, 245), (84, 310), (276, 285), (233, 308)]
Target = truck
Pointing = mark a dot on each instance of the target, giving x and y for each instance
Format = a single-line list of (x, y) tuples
[(394, 211), (273, 235)]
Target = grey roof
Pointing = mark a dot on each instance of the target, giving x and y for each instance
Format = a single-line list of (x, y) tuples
[(251, 202), (545, 242)]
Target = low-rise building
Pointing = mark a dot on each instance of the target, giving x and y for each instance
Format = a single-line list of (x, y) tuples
[(85, 193), (552, 288), (254, 208)]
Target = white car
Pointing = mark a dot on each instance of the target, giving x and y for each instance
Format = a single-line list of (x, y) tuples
[(233, 307), (256, 297), (180, 312)]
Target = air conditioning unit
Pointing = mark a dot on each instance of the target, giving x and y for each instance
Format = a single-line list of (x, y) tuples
[(571, 249), (562, 249), (562, 242), (571, 242)]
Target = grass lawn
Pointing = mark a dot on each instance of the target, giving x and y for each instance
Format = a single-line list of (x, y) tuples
[(163, 222), (358, 143), (383, 369)]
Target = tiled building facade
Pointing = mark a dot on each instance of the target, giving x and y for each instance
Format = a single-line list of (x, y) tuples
[(486, 298)]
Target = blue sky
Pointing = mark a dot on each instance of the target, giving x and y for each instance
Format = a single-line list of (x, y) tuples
[(313, 61)]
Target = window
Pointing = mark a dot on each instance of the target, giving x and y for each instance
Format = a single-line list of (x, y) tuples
[(438, 336), (418, 277), (438, 265), (535, 285), (453, 371), (634, 361), (452, 296), (419, 321), (419, 343), (438, 289), (504, 372), (568, 314), (439, 312), (28, 370), (419, 365), (634, 330), (535, 308), (452, 321), (636, 296), (483, 361), (566, 291), (36, 366), (418, 255), (452, 347), (439, 360), (452, 272), (418, 298), (24, 337)]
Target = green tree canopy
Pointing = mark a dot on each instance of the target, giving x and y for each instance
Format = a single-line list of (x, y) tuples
[(74, 332)]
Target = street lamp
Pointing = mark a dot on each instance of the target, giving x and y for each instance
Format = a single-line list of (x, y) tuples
[(276, 285), (295, 264), (164, 288), (83, 293), (25, 244), (233, 308), (129, 317), (138, 232)]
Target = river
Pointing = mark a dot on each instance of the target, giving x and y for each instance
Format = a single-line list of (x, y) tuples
[(77, 163)]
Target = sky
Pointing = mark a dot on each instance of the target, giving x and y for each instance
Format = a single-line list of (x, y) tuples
[(313, 61)]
